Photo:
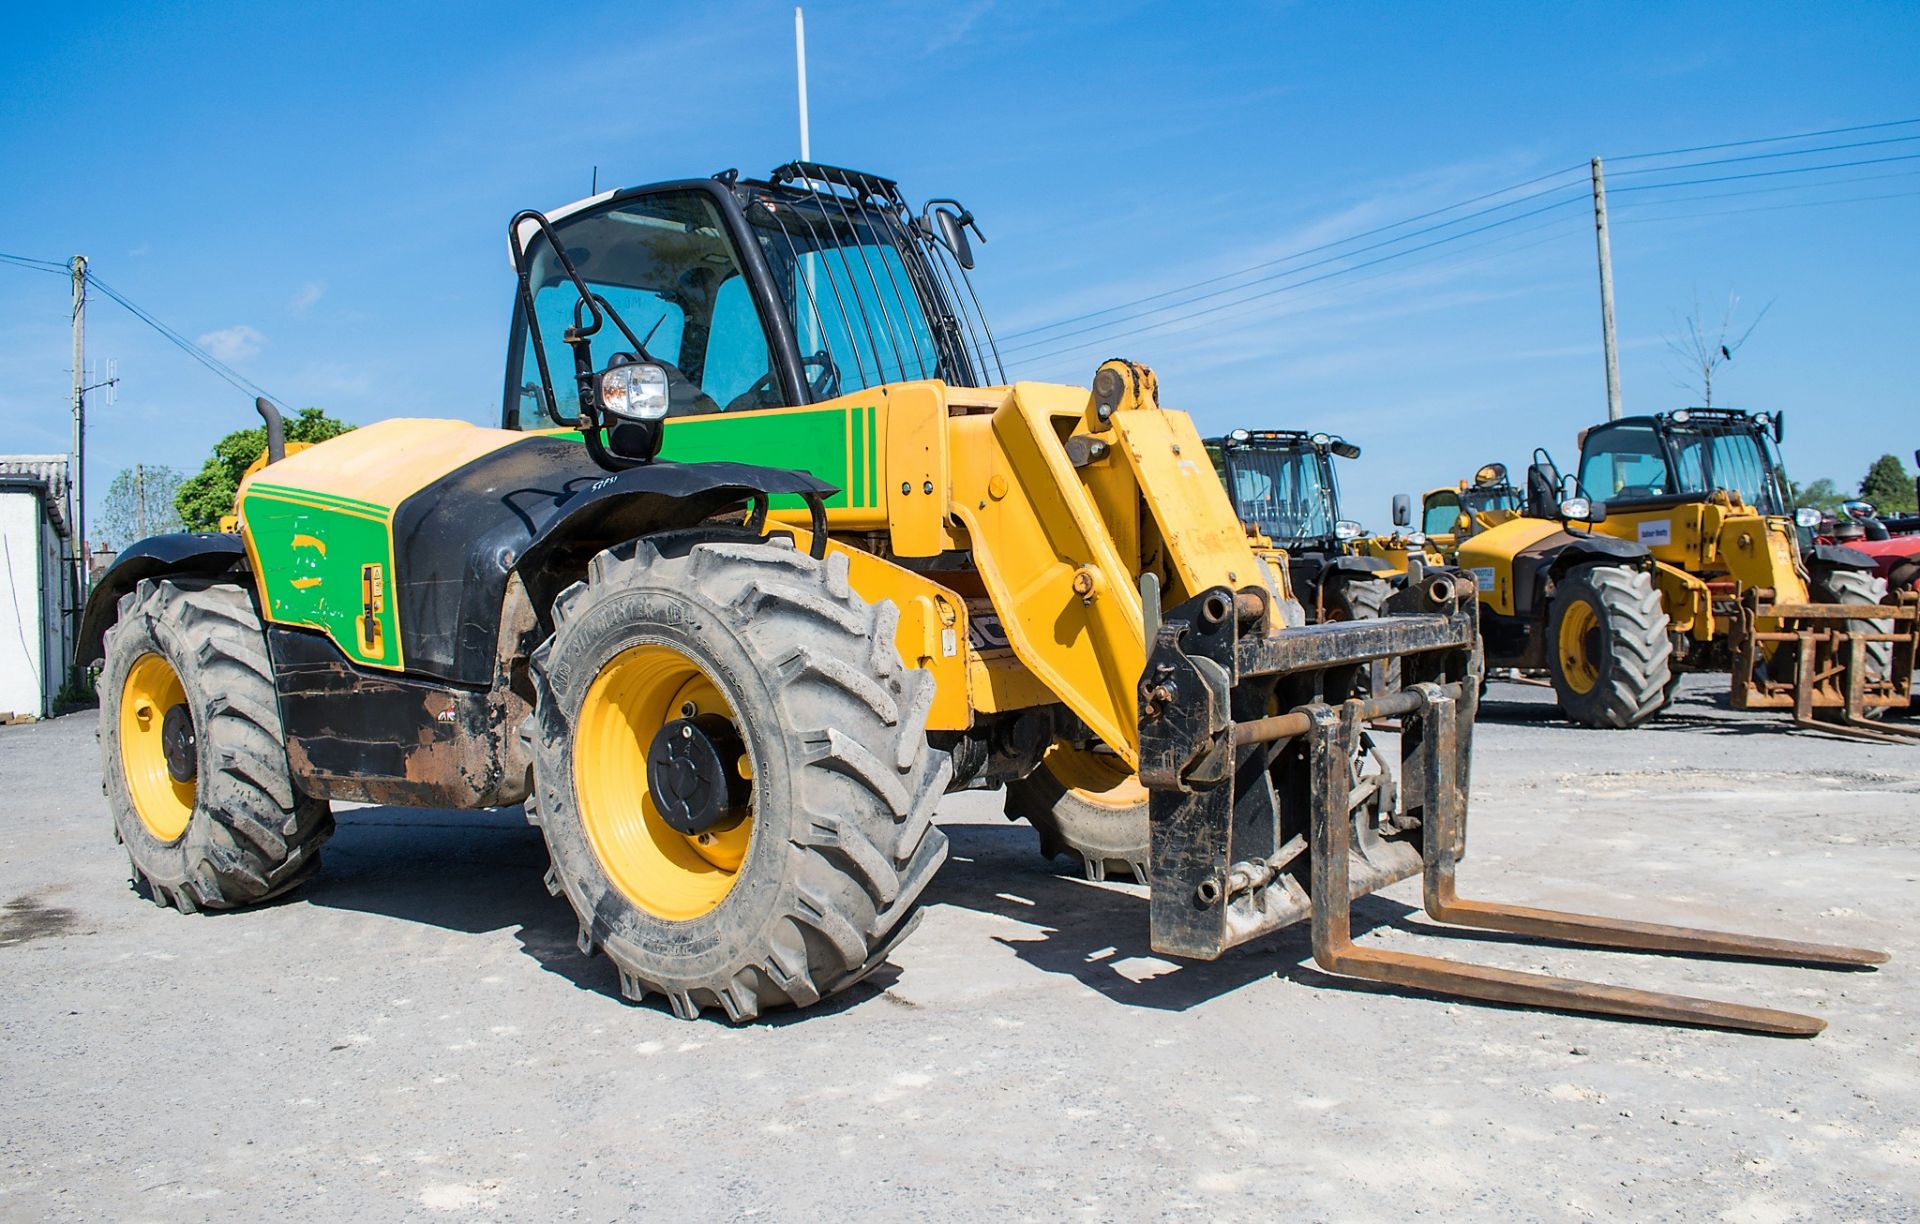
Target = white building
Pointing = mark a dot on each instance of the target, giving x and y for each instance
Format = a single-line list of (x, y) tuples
[(36, 629)]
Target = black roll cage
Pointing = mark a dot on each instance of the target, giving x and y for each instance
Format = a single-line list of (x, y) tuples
[(729, 194), (1288, 441), (1706, 421)]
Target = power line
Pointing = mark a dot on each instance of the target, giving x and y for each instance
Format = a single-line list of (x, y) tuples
[(1087, 344), (1314, 250), (1730, 178), (1727, 161), (1108, 338), (1741, 144), (1329, 246), (1498, 248), (1747, 191), (1318, 263), (1309, 281), (220, 368), (37, 265), (1728, 212)]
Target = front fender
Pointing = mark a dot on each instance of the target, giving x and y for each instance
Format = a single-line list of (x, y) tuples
[(658, 496), (198, 554)]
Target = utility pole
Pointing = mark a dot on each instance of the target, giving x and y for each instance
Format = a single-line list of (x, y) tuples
[(1606, 290), (800, 65), (139, 502), (77, 478)]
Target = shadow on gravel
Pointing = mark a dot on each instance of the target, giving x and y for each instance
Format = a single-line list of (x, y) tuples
[(472, 872), (1097, 933), (1696, 712), (477, 872), (481, 872)]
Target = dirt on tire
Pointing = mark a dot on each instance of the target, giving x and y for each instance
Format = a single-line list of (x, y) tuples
[(844, 780), (252, 834)]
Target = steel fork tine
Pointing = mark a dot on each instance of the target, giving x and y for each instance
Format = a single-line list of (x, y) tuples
[(1331, 740), (1444, 904)]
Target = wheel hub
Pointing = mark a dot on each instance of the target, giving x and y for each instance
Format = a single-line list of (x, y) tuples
[(177, 741), (693, 774)]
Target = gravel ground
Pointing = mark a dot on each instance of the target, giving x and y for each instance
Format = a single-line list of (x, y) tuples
[(413, 1035)]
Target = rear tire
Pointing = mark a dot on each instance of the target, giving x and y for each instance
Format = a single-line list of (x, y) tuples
[(238, 831), (1608, 653), (839, 843), (1365, 598), (1089, 810), (1846, 586)]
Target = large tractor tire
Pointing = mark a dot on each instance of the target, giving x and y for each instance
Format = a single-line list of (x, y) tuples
[(732, 773), (1089, 809), (193, 755), (1608, 653), (1846, 586), (1364, 598), (1357, 599)]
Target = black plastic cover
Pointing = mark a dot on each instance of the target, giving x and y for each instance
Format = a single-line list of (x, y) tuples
[(198, 553), (537, 506)]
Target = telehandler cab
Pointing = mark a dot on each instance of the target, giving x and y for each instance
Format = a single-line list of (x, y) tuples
[(766, 558), (1745, 587), (1283, 488)]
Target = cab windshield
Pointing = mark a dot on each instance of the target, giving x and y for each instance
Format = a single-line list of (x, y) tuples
[(1287, 494), (1638, 461), (1738, 459)]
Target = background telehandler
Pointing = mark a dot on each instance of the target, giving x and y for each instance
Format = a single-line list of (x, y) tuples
[(1746, 588), (765, 558)]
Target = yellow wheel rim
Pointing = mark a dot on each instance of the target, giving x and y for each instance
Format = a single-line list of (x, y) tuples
[(1580, 647), (669, 874), (1095, 777), (163, 803)]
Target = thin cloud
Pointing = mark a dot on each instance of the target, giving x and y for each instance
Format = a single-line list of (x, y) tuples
[(236, 343), (308, 297)]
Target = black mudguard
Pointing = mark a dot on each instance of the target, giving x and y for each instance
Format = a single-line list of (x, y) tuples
[(1552, 556), (540, 508), (1839, 557), (198, 554), (1346, 564)]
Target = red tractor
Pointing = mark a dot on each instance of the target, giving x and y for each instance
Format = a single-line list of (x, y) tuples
[(1892, 540)]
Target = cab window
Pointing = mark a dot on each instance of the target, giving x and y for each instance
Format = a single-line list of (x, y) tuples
[(1624, 463), (667, 267), (1441, 514)]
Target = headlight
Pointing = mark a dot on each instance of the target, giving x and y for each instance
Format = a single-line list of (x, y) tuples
[(1239, 435), (1807, 516), (1417, 539), (1762, 419), (1576, 508), (1320, 440), (1347, 529), (636, 392), (1682, 416)]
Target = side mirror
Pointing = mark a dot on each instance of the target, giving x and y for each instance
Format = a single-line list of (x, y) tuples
[(952, 230), (1344, 449), (1779, 427), (1402, 510)]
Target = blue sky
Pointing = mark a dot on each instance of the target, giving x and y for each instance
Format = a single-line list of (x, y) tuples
[(322, 193)]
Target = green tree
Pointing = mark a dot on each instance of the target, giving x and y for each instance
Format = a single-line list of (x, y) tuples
[(1822, 494), (1888, 486), (139, 504), (204, 498)]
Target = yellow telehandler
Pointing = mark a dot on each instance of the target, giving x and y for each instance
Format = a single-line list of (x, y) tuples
[(765, 557)]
